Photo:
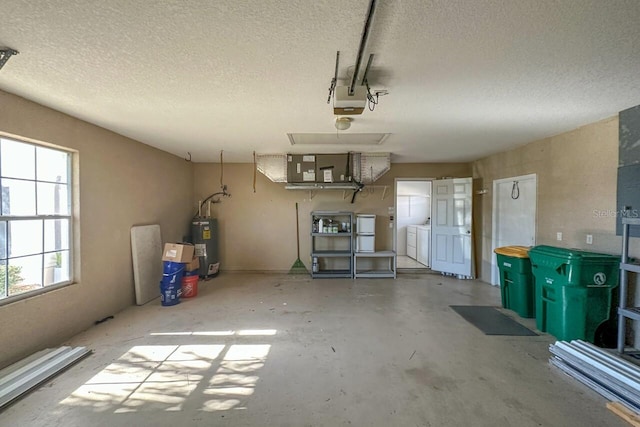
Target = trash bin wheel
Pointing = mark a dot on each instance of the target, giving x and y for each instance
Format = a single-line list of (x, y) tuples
[(606, 335)]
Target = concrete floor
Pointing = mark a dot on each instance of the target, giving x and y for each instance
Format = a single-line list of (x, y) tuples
[(277, 350), (403, 261)]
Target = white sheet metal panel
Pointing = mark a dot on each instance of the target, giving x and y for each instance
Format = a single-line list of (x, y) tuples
[(605, 372), (146, 252), (607, 394), (14, 382)]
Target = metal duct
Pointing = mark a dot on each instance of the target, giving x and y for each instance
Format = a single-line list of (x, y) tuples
[(366, 168), (273, 166), (373, 166)]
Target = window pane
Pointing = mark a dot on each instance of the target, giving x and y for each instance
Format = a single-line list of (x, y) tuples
[(25, 274), (34, 181), (18, 197), (3, 240), (53, 199), (52, 165), (56, 234), (56, 267), (18, 160), (3, 279), (25, 237)]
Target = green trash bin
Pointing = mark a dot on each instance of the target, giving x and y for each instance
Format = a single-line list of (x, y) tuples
[(574, 291), (516, 280)]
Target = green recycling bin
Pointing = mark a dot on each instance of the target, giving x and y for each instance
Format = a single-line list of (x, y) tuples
[(574, 291), (516, 280)]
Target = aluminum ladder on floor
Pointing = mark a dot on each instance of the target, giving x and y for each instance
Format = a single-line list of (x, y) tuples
[(625, 312)]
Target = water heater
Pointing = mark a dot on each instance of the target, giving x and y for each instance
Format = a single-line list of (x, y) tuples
[(204, 232)]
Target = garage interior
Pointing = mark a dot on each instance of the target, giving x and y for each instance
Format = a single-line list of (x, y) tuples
[(161, 104)]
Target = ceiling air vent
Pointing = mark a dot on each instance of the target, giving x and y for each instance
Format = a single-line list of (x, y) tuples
[(337, 138)]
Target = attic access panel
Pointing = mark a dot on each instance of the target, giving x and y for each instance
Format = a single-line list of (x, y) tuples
[(336, 138)]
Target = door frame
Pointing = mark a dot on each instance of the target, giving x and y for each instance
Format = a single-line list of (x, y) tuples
[(395, 205), (495, 280)]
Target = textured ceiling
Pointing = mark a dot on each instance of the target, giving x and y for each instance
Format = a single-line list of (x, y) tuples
[(466, 78)]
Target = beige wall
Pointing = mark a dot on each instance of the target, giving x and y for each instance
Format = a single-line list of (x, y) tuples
[(258, 230), (122, 183), (577, 175)]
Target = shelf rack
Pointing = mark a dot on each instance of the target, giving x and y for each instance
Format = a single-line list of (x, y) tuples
[(337, 245), (625, 312), (390, 272)]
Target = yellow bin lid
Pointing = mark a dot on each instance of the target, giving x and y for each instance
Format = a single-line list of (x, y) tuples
[(514, 251)]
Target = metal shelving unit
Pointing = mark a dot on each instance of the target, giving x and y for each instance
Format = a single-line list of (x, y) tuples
[(332, 246), (389, 272), (625, 312), (366, 251)]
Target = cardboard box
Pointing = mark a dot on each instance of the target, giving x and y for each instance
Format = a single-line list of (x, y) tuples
[(177, 252), (194, 264)]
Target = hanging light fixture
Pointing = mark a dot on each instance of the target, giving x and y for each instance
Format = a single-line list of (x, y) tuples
[(343, 123)]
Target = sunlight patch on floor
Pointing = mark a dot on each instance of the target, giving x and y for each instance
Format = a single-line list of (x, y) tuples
[(215, 377), (232, 379), (241, 332)]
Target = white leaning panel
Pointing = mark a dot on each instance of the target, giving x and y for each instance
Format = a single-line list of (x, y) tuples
[(146, 252)]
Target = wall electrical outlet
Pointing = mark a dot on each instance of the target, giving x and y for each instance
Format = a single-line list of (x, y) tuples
[(559, 235), (589, 239)]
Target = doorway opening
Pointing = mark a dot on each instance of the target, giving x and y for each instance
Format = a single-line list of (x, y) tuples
[(412, 230)]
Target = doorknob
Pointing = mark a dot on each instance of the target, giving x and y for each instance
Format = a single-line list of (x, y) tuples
[(468, 231)]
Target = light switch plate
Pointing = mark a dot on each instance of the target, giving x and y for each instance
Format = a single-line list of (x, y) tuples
[(559, 235), (589, 239)]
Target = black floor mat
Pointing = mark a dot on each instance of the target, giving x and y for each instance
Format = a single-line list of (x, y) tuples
[(491, 321)]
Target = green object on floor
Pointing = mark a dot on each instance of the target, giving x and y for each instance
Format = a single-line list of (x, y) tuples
[(298, 266), (516, 280), (574, 292)]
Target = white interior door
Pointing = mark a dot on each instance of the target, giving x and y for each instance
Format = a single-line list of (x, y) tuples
[(514, 215), (451, 226)]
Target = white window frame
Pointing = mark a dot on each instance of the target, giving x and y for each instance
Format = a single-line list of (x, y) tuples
[(4, 300)]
